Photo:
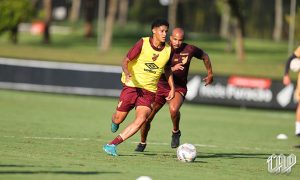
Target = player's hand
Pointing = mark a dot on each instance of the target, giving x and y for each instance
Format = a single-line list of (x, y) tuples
[(286, 80), (208, 79), (177, 67), (128, 77), (171, 95)]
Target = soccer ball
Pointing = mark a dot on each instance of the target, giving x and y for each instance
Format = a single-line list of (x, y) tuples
[(295, 65), (186, 152)]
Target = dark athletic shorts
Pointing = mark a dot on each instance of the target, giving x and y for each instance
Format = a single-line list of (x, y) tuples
[(163, 92), (131, 97)]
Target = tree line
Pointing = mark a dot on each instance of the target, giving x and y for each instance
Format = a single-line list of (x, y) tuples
[(230, 19)]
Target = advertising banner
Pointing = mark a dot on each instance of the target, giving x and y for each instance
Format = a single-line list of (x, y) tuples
[(102, 80), (242, 91)]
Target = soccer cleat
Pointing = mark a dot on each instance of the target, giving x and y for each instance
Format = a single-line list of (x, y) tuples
[(140, 147), (114, 127), (110, 149), (175, 139)]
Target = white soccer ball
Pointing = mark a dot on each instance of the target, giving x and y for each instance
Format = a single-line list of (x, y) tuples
[(186, 152), (295, 65)]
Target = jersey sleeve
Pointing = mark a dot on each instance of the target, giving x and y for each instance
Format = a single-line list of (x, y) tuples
[(287, 64), (197, 52), (170, 58), (297, 52), (135, 50)]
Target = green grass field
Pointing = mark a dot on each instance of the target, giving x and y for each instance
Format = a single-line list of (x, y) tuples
[(50, 136)]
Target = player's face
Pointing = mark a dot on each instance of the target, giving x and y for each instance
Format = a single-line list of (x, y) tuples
[(160, 33), (176, 40)]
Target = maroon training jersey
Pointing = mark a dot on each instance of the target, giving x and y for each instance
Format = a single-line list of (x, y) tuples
[(183, 55)]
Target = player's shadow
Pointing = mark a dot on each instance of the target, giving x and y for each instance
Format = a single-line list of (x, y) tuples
[(127, 155), (234, 155), (170, 155)]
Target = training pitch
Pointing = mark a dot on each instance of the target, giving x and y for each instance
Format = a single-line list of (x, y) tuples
[(50, 136)]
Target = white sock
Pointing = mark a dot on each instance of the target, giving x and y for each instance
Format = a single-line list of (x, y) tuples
[(297, 127)]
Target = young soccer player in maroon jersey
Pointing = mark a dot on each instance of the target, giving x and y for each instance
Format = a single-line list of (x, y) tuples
[(142, 68), (180, 63), (287, 81)]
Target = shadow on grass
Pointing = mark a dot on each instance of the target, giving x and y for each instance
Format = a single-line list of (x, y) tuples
[(47, 171), (58, 172), (234, 155), (15, 165)]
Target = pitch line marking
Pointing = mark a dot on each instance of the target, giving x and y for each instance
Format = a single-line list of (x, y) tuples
[(134, 142)]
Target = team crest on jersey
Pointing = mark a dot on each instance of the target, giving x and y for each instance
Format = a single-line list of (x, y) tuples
[(184, 59), (155, 56)]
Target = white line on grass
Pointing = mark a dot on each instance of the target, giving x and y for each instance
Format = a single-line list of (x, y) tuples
[(61, 65), (134, 142)]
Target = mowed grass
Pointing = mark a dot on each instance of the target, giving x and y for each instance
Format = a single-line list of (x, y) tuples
[(50, 136)]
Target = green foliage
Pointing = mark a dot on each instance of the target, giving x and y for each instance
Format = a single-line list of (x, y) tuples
[(297, 27), (13, 12)]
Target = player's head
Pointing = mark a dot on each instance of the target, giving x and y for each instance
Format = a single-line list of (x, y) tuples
[(177, 37), (160, 29)]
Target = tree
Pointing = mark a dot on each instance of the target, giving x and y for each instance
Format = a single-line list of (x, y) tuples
[(278, 21), (224, 10), (239, 28), (123, 11), (75, 10), (89, 6), (47, 4), (11, 14), (109, 25), (172, 13)]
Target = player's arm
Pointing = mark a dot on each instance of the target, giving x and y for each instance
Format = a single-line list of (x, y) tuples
[(178, 66), (169, 77), (132, 53), (200, 54), (210, 77), (125, 62), (286, 77)]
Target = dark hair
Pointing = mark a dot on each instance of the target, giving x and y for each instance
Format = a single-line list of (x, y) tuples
[(159, 22)]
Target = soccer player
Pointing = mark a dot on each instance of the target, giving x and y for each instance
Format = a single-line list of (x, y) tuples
[(183, 53), (287, 81), (142, 68)]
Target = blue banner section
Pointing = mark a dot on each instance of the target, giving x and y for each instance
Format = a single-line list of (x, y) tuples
[(100, 80)]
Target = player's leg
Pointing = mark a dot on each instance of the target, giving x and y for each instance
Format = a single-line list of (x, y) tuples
[(297, 128), (142, 113), (117, 118), (297, 97), (145, 128), (174, 107), (126, 103), (160, 100), (143, 109)]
